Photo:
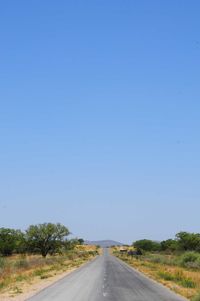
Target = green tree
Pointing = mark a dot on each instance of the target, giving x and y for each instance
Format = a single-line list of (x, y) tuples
[(20, 242), (46, 238), (169, 245), (81, 241), (188, 241), (147, 245), (10, 241)]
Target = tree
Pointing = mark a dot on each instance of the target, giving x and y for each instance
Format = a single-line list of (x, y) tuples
[(188, 241), (147, 245), (169, 245), (46, 238), (10, 241), (20, 242), (81, 241)]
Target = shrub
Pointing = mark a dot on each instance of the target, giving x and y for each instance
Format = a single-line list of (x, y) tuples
[(193, 265), (188, 258)]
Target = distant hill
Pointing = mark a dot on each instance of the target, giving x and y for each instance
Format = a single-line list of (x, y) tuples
[(103, 243)]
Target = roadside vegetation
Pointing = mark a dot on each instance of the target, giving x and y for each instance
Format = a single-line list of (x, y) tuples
[(41, 252), (173, 262)]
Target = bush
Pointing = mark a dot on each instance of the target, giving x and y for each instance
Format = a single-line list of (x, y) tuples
[(189, 258), (193, 265)]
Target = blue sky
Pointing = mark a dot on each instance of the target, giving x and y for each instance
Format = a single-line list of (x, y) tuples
[(99, 116)]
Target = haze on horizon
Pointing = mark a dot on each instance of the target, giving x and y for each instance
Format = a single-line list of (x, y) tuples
[(100, 120)]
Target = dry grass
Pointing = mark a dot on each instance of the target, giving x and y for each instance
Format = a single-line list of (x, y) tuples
[(183, 281)]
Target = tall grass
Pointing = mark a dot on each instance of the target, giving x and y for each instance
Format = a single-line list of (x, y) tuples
[(2, 262), (197, 297), (190, 260), (177, 277)]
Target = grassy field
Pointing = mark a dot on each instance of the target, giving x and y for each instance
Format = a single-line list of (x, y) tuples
[(181, 273), (18, 272)]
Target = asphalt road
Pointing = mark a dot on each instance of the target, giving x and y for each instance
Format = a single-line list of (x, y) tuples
[(106, 278)]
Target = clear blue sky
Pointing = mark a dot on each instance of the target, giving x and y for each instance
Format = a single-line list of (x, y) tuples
[(100, 116)]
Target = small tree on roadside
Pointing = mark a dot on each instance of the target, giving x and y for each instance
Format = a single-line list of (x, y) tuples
[(46, 238)]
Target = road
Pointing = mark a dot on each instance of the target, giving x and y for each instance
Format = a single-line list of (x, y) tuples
[(106, 279)]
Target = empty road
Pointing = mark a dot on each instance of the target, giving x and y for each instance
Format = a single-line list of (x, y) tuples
[(106, 279)]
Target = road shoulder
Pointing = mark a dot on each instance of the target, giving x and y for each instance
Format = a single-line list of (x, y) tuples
[(158, 284), (28, 290)]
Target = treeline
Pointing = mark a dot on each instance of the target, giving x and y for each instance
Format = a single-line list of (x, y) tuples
[(183, 241), (44, 239)]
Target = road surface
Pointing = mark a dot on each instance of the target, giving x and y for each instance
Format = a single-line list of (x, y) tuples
[(106, 279)]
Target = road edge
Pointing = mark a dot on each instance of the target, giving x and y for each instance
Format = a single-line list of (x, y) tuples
[(63, 276), (149, 278)]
